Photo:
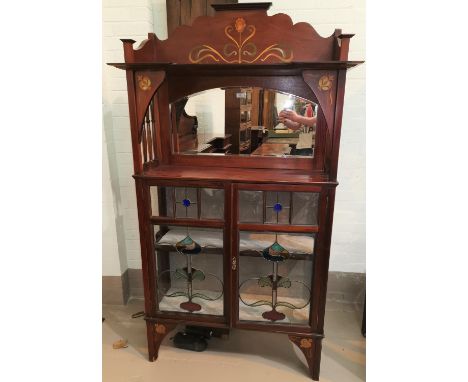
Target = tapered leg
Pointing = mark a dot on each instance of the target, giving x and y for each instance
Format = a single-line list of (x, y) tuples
[(156, 331), (311, 347)]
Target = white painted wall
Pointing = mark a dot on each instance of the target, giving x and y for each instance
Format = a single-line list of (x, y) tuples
[(135, 18)]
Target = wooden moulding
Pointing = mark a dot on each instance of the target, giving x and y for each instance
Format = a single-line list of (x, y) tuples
[(284, 69)]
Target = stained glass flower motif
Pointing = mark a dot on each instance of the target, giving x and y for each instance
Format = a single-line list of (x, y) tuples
[(186, 202), (275, 252), (188, 246)]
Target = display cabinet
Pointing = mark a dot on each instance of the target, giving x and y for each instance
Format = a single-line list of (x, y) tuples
[(234, 238)]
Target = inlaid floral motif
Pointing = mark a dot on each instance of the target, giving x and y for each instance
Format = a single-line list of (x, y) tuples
[(144, 82), (160, 328), (240, 24), (325, 83), (306, 343), (240, 49)]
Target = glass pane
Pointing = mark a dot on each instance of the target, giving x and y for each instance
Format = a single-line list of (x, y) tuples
[(277, 207), (275, 275), (190, 270), (186, 192), (251, 206), (244, 121), (305, 208), (163, 207), (187, 202), (212, 203), (282, 197)]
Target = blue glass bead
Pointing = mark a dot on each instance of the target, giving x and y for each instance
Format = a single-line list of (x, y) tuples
[(277, 207), (186, 202)]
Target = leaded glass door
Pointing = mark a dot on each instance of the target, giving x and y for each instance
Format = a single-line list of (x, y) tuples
[(189, 231), (276, 228)]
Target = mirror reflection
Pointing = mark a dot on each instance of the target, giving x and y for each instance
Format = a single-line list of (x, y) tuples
[(244, 121)]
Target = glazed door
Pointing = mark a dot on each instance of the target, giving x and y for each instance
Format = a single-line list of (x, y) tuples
[(273, 255), (190, 235)]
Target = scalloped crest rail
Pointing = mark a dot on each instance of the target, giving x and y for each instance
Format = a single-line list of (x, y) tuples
[(246, 36)]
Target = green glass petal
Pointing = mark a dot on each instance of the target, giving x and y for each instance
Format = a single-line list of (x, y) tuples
[(277, 247), (284, 282), (198, 275), (186, 241), (181, 274), (265, 281)]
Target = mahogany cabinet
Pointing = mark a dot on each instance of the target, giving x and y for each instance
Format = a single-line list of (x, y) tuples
[(234, 240)]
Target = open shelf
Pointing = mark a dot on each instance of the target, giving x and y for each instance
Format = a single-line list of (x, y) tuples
[(250, 243)]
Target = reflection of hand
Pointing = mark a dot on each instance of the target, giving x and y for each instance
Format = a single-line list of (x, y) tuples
[(289, 114), (290, 124)]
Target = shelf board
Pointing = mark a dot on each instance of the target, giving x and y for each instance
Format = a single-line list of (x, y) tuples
[(235, 174)]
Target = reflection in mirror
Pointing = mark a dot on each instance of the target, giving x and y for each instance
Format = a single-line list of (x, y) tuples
[(246, 121)]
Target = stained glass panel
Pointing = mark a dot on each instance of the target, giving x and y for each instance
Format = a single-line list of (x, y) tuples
[(190, 270), (187, 202), (275, 272), (283, 207), (277, 207)]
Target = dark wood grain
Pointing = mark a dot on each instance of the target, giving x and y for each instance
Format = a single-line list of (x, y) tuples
[(198, 8), (173, 15), (187, 222), (185, 13)]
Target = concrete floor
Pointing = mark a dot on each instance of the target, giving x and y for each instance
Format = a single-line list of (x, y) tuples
[(246, 356)]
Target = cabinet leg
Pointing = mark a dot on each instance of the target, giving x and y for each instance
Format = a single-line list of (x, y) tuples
[(156, 331), (311, 347)]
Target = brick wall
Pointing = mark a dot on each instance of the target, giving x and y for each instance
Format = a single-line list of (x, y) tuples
[(123, 19)]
